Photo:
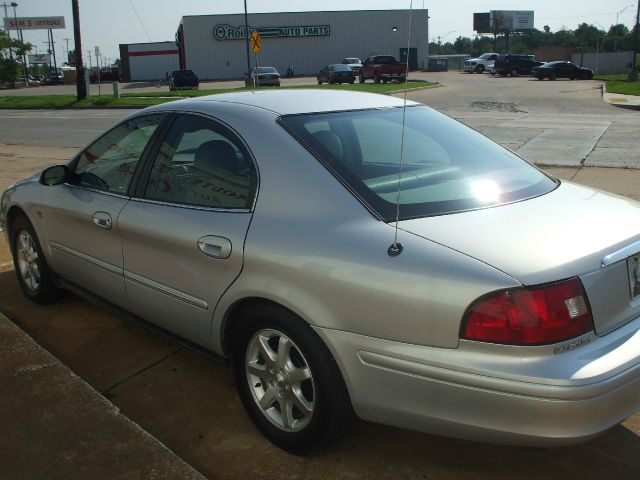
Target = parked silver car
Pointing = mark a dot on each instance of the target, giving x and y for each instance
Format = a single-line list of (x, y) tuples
[(261, 226)]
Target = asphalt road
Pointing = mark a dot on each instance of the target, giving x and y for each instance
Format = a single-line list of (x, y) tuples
[(562, 123), (190, 404)]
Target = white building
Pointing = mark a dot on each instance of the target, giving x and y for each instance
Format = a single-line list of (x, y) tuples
[(148, 61), (214, 46)]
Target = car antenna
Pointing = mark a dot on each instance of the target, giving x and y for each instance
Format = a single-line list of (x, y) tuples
[(396, 248)]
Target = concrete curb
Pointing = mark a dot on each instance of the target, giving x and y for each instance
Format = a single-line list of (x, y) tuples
[(55, 425), (630, 102)]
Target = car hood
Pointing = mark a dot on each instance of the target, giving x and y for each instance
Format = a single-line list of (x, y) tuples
[(564, 233)]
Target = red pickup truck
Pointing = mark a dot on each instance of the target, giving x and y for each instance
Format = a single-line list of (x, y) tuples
[(383, 68)]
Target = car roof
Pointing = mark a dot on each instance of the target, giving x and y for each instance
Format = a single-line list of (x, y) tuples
[(289, 102)]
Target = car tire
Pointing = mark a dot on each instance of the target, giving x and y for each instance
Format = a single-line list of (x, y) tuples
[(480, 69), (515, 72), (376, 78), (540, 78), (304, 380), (351, 82), (360, 79), (319, 82), (552, 76), (31, 267)]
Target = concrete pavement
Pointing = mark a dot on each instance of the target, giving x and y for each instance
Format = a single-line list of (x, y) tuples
[(55, 426)]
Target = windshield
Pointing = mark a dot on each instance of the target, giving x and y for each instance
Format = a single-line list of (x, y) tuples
[(265, 70), (447, 167), (340, 68), (351, 60), (485, 56)]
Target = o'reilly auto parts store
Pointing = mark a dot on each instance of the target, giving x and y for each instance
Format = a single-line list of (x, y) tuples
[(214, 46)]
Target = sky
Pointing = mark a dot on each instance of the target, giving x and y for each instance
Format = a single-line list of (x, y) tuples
[(107, 23)]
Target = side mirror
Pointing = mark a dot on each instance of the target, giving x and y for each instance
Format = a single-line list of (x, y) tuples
[(55, 175)]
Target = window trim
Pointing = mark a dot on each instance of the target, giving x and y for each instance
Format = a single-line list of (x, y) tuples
[(140, 191)]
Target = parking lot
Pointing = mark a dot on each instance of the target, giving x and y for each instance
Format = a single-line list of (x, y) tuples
[(189, 404)]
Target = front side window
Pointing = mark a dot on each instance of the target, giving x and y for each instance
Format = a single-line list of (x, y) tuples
[(204, 164), (446, 167), (109, 163)]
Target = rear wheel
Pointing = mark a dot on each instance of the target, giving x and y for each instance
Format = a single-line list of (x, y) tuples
[(540, 78), (552, 76), (360, 79), (31, 267), (319, 82), (515, 72), (288, 381)]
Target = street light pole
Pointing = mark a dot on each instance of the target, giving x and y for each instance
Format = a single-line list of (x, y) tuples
[(615, 37), (24, 55), (8, 32)]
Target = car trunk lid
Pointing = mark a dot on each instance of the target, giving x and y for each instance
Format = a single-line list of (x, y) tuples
[(565, 233)]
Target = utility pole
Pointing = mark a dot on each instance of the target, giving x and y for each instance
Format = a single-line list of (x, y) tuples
[(67, 42), (246, 31), (633, 75), (81, 86), (53, 49)]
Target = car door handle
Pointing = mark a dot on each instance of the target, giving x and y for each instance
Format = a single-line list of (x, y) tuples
[(216, 247), (102, 220)]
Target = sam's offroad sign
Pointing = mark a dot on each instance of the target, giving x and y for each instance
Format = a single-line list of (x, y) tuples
[(229, 32), (33, 23)]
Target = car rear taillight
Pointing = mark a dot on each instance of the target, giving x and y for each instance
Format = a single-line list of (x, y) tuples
[(530, 315)]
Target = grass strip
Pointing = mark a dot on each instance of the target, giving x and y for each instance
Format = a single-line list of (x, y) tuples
[(146, 99), (623, 87)]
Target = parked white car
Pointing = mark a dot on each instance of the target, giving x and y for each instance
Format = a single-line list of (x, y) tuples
[(480, 64)]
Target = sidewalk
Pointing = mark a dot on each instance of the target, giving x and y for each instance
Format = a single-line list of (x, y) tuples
[(619, 100), (55, 426)]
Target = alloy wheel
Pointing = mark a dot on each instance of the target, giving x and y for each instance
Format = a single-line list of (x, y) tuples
[(280, 380), (27, 255)]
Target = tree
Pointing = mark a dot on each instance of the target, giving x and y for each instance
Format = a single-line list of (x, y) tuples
[(11, 54)]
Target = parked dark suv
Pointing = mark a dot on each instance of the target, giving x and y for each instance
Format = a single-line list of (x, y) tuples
[(183, 79), (514, 65)]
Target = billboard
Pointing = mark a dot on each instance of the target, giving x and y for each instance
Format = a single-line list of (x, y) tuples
[(33, 23), (510, 20), (482, 23), (41, 58)]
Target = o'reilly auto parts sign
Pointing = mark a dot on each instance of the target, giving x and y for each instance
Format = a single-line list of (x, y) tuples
[(229, 32)]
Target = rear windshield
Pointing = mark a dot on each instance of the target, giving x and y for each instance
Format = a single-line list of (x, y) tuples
[(184, 74), (446, 166), (351, 60), (265, 70), (338, 67)]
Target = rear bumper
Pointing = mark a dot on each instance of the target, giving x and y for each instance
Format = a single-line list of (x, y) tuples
[(529, 396)]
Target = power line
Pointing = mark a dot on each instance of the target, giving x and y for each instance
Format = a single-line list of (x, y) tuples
[(140, 20)]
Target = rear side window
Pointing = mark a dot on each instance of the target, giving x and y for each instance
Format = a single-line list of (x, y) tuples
[(202, 163), (446, 167)]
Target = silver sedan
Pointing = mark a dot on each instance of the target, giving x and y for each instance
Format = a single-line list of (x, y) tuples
[(351, 256)]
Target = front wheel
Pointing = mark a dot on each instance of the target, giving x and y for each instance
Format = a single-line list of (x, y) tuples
[(515, 72), (376, 78), (31, 267), (288, 381), (552, 76), (360, 79)]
